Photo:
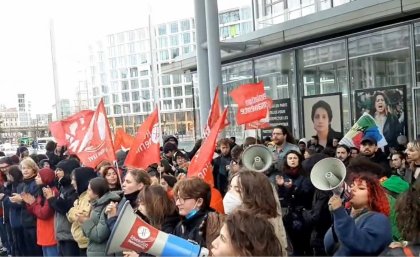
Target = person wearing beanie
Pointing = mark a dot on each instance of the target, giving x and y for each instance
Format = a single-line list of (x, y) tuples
[(61, 203), (80, 178), (182, 163), (394, 186), (22, 152), (44, 163), (168, 182), (40, 208)]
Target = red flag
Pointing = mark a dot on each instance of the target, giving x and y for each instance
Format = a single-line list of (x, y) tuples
[(252, 102), (96, 145), (122, 140), (214, 114), (263, 123), (145, 149), (71, 130)]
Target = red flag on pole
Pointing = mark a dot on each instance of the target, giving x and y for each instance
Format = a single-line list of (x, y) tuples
[(145, 149), (252, 102), (201, 162), (214, 114), (122, 140), (96, 145), (69, 132)]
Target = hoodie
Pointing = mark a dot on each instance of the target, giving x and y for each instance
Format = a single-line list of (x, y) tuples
[(81, 205), (394, 186), (43, 212)]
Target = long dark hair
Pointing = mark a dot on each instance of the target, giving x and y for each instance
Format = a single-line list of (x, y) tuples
[(407, 208)]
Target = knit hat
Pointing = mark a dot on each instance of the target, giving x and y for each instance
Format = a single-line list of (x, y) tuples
[(167, 138), (82, 176), (67, 165), (21, 150), (47, 176), (180, 153), (171, 180), (167, 147)]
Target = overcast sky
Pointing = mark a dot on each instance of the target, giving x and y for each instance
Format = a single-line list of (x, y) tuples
[(25, 54)]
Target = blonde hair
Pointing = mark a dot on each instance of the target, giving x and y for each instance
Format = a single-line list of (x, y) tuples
[(415, 145), (30, 163)]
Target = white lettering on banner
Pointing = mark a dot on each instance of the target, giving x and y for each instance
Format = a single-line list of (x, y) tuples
[(148, 142), (254, 108), (98, 154), (255, 99), (203, 172)]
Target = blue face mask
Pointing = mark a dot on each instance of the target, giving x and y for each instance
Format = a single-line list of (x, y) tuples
[(192, 213)]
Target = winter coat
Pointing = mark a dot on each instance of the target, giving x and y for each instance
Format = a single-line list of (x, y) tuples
[(28, 220), (62, 204), (96, 228), (81, 205), (367, 235), (15, 209), (44, 214), (394, 186)]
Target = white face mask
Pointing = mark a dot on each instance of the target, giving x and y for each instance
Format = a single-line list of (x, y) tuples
[(231, 202)]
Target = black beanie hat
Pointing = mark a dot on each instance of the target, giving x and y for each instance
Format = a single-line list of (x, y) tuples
[(169, 147), (171, 180), (67, 165)]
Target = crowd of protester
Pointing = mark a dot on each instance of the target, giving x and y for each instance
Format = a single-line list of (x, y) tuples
[(53, 206)]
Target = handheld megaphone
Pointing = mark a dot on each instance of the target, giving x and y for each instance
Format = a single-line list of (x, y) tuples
[(329, 174), (133, 233), (257, 158)]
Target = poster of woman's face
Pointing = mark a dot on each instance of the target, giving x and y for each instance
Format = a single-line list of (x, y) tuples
[(387, 106), (322, 117)]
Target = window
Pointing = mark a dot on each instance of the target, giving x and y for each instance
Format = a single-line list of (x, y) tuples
[(162, 29), (113, 63), (164, 55), (117, 109), (126, 108), (121, 37), (134, 84), (178, 104), (111, 40), (174, 27), (166, 80), (176, 78), (177, 91), (185, 25), (134, 72), (144, 83), (131, 48), (146, 107), (142, 33), (174, 53), (136, 107), (124, 85), (186, 49), (188, 103), (174, 40), (144, 73), (115, 98), (133, 60), (135, 96), (186, 38), (114, 74), (118, 120), (143, 58), (131, 36), (125, 97), (145, 94), (188, 89), (163, 42), (123, 73), (95, 92), (166, 92), (104, 89), (167, 104)]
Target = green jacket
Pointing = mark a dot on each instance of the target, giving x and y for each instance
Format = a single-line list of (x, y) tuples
[(96, 228), (394, 186)]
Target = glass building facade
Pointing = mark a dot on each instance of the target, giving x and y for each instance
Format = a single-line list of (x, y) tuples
[(380, 58)]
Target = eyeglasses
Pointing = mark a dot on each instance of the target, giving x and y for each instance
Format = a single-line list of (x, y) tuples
[(181, 199)]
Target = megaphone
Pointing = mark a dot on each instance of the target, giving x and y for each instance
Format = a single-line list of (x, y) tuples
[(257, 158), (133, 233), (329, 174)]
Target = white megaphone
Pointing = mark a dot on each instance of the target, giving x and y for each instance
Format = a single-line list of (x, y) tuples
[(257, 158), (133, 233), (329, 174)]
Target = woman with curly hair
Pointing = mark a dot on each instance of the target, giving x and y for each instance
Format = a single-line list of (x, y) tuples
[(367, 229), (413, 157), (241, 235)]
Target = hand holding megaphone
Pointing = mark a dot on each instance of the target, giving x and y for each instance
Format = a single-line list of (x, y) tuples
[(335, 202)]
